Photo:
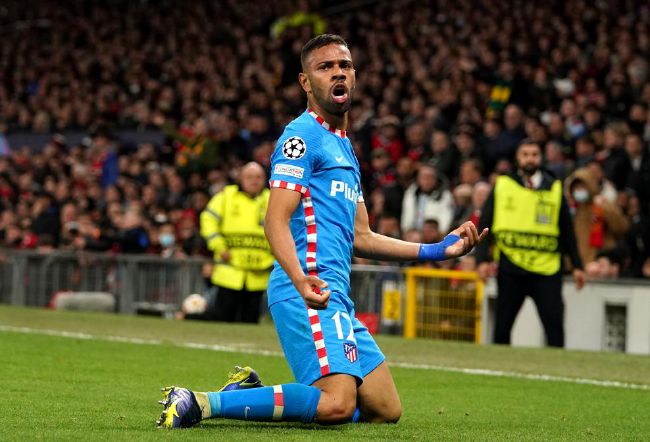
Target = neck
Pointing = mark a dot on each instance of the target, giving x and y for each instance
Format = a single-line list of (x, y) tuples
[(335, 121)]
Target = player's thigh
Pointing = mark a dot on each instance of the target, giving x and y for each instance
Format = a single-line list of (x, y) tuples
[(317, 343), (377, 397)]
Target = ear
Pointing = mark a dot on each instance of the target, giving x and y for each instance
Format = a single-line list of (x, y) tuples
[(304, 82)]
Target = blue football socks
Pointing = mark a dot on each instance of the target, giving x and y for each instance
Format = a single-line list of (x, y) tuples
[(287, 402)]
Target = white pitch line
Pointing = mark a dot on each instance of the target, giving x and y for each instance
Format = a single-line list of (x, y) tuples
[(528, 376), (246, 349)]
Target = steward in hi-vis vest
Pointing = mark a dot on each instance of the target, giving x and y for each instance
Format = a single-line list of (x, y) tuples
[(232, 225), (233, 222), (532, 226), (526, 225)]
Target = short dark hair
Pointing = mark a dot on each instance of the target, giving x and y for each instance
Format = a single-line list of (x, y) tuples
[(318, 42), (432, 222), (529, 141)]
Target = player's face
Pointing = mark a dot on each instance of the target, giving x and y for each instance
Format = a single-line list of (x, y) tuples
[(329, 78), (529, 158)]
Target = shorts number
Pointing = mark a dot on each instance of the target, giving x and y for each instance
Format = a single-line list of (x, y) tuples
[(339, 329)]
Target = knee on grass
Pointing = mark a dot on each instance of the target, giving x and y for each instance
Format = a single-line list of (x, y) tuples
[(389, 414), (332, 410)]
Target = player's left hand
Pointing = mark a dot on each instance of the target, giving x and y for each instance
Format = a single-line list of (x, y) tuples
[(469, 237)]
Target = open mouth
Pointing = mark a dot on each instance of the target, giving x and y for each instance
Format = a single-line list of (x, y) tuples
[(340, 93)]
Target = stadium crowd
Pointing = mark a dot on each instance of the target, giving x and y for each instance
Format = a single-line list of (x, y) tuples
[(445, 92)]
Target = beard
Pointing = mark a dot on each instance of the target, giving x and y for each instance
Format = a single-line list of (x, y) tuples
[(324, 98), (530, 169), (334, 108)]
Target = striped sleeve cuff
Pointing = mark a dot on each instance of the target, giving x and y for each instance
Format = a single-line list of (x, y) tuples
[(289, 186)]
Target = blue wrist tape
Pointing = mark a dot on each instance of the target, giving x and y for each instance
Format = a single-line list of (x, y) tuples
[(436, 252)]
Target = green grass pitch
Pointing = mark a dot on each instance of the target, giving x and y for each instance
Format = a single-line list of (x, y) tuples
[(94, 385)]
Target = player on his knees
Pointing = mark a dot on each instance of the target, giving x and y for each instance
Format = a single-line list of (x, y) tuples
[(244, 397)]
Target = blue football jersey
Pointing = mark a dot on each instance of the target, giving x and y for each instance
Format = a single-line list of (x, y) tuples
[(320, 164)]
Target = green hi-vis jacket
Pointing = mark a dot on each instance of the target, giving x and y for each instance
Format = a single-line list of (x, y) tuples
[(526, 225), (234, 222)]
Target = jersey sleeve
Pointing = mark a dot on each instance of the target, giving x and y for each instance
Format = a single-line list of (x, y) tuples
[(294, 158)]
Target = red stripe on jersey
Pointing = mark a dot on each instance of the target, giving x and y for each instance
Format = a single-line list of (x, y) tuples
[(341, 133), (311, 229)]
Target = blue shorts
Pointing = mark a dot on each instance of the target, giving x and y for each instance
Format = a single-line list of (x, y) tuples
[(318, 343)]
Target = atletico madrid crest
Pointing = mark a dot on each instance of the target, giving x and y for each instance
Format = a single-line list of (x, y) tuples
[(350, 351)]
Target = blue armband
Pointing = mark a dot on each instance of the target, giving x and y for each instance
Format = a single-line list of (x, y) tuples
[(436, 252)]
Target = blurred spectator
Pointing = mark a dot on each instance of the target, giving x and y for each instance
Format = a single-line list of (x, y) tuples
[(413, 235), (639, 176), (554, 160), (471, 172), (382, 170), (612, 157), (131, 236), (431, 231), (428, 197), (416, 147), (462, 204), (599, 224), (386, 137), (388, 225), (394, 193), (443, 155), (167, 242), (465, 141), (606, 187), (13, 236), (505, 143), (88, 236), (606, 265), (480, 193), (637, 238), (585, 151)]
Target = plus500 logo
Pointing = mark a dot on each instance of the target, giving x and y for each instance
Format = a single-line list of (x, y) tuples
[(349, 193)]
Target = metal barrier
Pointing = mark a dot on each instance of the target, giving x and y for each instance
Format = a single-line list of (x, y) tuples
[(437, 304), (30, 278)]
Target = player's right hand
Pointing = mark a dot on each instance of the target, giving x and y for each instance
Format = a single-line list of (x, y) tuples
[(311, 289)]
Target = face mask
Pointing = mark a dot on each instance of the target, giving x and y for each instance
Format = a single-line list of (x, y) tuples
[(581, 195), (167, 240)]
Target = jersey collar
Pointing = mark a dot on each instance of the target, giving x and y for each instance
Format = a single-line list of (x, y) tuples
[(325, 124)]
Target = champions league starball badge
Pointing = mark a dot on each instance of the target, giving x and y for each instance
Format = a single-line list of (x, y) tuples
[(294, 148)]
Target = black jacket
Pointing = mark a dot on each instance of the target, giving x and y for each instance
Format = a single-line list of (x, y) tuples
[(567, 238)]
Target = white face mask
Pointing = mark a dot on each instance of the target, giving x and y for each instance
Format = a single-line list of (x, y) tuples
[(581, 195)]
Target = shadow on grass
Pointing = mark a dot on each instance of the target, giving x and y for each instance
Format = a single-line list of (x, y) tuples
[(253, 425)]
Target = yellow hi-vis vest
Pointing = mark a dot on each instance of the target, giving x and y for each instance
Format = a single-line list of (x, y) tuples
[(234, 221), (526, 225)]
